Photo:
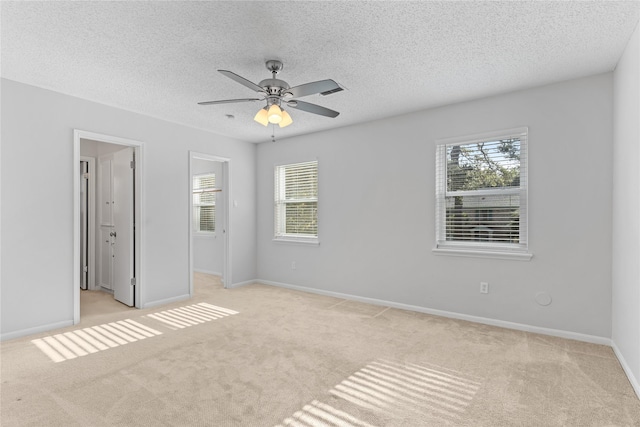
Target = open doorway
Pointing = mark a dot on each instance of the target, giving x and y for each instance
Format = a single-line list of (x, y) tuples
[(107, 211), (209, 220)]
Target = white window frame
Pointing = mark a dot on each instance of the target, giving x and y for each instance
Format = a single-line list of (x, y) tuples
[(517, 251), (196, 223), (280, 202)]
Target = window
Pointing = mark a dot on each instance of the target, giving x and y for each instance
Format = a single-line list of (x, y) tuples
[(296, 202), (204, 203), (481, 194)]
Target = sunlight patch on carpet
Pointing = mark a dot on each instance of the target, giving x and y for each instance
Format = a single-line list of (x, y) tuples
[(320, 414), (73, 344), (190, 315), (393, 390)]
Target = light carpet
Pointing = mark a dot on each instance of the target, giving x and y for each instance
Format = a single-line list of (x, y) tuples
[(266, 356)]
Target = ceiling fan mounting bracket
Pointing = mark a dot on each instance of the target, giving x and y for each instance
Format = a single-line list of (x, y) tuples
[(274, 65)]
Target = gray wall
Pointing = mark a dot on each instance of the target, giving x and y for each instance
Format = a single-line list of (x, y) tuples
[(37, 202), (626, 212), (376, 208), (376, 211)]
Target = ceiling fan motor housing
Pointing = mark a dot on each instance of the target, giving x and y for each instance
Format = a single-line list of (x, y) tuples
[(274, 86)]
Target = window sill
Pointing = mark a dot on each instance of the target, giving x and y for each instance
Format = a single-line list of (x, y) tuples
[(474, 253), (300, 241)]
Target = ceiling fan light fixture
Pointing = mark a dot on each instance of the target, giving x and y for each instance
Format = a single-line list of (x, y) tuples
[(274, 114), (262, 117), (286, 119)]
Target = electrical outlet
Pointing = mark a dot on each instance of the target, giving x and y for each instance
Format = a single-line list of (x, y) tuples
[(484, 287), (293, 265)]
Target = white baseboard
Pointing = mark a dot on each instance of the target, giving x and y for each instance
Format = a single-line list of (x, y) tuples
[(484, 320), (36, 330), (627, 370), (245, 283), (213, 273), (166, 301)]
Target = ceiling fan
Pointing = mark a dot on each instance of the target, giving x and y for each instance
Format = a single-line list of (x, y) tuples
[(278, 94)]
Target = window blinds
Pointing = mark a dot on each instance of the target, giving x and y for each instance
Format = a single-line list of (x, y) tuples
[(296, 200), (204, 202), (481, 192)]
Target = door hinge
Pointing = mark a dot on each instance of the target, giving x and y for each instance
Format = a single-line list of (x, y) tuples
[(133, 281), (85, 175), (132, 164), (86, 269)]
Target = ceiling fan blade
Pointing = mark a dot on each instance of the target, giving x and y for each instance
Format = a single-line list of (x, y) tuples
[(323, 87), (242, 80), (229, 101), (312, 108)]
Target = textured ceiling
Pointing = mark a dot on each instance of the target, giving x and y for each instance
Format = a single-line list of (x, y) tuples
[(393, 57)]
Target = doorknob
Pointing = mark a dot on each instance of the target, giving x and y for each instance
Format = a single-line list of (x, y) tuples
[(112, 234)]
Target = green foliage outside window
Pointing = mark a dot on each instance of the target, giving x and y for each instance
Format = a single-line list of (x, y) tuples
[(492, 216)]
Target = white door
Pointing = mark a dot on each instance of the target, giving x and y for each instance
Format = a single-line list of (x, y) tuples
[(105, 195), (123, 251)]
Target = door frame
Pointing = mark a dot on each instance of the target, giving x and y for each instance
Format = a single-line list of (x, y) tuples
[(91, 223), (139, 205), (226, 194)]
